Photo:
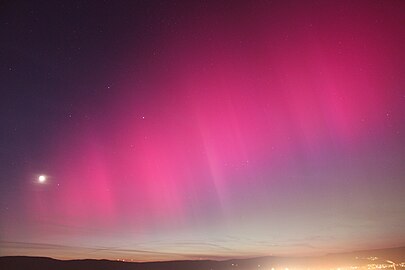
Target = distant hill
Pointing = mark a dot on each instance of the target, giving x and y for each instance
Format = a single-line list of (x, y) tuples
[(359, 259)]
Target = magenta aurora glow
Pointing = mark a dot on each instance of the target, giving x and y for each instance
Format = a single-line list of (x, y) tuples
[(203, 130)]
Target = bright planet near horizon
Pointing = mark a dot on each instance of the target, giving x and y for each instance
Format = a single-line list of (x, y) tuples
[(42, 179)]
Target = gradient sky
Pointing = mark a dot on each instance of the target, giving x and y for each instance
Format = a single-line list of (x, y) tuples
[(201, 129)]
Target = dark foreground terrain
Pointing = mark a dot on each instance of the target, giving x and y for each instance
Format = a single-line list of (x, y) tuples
[(393, 258)]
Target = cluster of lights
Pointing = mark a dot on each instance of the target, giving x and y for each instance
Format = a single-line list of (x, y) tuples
[(372, 266), (260, 266)]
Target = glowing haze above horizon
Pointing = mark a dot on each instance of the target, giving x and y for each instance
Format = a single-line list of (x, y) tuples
[(151, 130)]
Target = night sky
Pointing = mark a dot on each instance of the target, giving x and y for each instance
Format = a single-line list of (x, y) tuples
[(201, 129)]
